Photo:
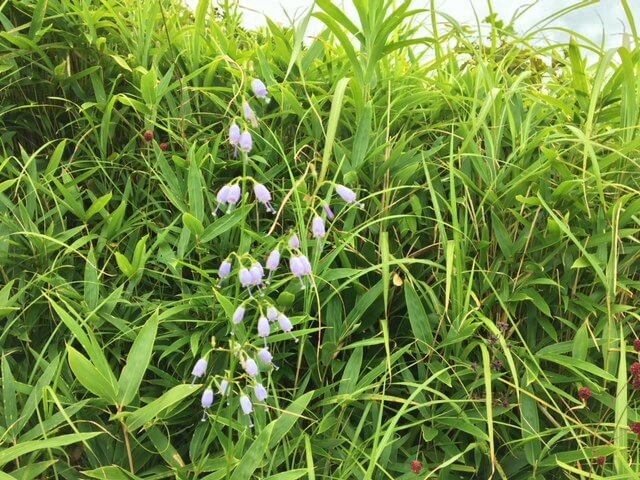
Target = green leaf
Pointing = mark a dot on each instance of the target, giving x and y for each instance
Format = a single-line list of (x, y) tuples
[(90, 377), (418, 319), (147, 413), (137, 361), (124, 265), (193, 224), (148, 87), (254, 456), (97, 206), (9, 454), (111, 472), (288, 418)]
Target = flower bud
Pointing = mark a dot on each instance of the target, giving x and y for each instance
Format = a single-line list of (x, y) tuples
[(207, 398), (164, 146), (317, 227), (246, 405), (259, 88), (263, 327), (251, 367), (245, 142), (234, 134), (260, 392), (225, 269), (199, 368), (238, 315), (249, 114), (272, 313), (273, 260), (285, 323), (328, 211), (294, 241), (148, 136), (224, 388)]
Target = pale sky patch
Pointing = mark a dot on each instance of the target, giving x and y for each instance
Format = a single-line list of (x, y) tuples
[(605, 17)]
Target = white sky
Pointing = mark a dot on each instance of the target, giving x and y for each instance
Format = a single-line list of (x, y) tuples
[(606, 16)]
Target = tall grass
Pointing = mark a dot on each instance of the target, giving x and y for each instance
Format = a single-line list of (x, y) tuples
[(452, 321)]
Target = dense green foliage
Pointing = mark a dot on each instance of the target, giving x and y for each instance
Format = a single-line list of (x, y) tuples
[(491, 274)]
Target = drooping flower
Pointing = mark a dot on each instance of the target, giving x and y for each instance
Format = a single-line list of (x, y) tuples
[(263, 195), (294, 241), (260, 392), (272, 313), (246, 405), (200, 368), (238, 315), (306, 265), (273, 260), (259, 88), (257, 272), (249, 114), (263, 327), (299, 265), (285, 323), (246, 142), (224, 270), (234, 134), (233, 194), (251, 367), (223, 194), (246, 278), (317, 227), (265, 356), (207, 398), (347, 194), (296, 266)]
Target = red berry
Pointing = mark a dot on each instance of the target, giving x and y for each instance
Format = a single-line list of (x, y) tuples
[(636, 344), (601, 461), (148, 136), (584, 394), (416, 466), (635, 369), (635, 428), (164, 146)]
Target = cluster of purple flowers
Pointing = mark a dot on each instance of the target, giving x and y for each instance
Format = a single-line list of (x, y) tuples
[(257, 309), (242, 140)]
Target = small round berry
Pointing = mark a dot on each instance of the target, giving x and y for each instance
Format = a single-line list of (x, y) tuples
[(148, 136), (584, 394), (601, 460), (635, 369), (164, 146), (635, 428), (416, 466), (636, 344)]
